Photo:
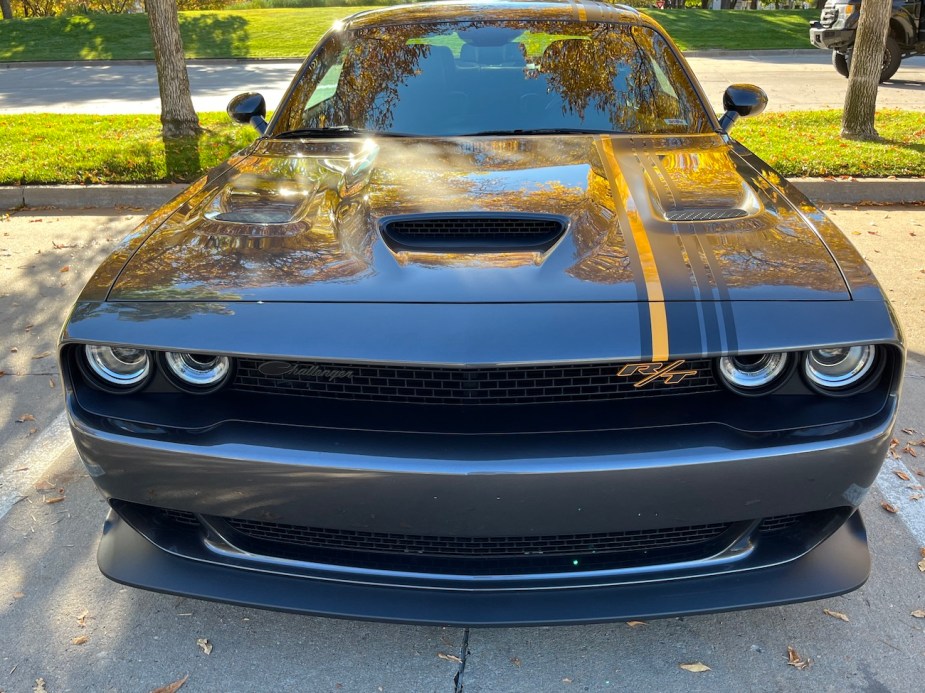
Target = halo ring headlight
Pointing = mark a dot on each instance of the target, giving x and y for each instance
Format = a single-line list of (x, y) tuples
[(116, 366), (753, 374), (197, 372), (838, 368)]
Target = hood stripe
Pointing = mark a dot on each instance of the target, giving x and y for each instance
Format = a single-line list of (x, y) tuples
[(638, 239)]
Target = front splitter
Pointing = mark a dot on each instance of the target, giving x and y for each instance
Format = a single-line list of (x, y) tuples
[(838, 565)]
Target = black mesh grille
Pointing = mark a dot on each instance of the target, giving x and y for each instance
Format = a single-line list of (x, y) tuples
[(456, 385), (569, 544), (704, 214), (776, 524), (490, 232)]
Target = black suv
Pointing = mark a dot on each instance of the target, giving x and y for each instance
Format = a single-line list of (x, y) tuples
[(836, 29)]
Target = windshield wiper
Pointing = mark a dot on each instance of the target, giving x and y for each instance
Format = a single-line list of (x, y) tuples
[(541, 131), (335, 131)]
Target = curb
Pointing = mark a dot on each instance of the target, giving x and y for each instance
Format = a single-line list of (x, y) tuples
[(820, 190)]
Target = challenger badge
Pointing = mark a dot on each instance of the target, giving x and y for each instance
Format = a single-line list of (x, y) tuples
[(670, 373)]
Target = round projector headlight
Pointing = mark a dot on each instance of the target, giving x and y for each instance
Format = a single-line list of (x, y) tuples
[(198, 371), (753, 373), (836, 368), (119, 366)]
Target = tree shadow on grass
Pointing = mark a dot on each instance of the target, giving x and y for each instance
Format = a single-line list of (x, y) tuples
[(215, 36)]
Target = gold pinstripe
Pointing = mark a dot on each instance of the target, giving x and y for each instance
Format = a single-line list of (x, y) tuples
[(655, 295)]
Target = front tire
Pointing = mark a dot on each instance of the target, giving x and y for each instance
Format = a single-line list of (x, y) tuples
[(840, 63)]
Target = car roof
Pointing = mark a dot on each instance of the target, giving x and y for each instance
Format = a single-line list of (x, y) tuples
[(466, 10)]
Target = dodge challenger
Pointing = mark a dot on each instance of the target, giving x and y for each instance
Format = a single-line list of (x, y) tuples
[(494, 323)]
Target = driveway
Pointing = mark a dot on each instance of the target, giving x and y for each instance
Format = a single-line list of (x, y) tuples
[(63, 622)]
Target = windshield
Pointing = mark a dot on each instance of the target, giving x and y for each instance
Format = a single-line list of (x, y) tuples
[(466, 78)]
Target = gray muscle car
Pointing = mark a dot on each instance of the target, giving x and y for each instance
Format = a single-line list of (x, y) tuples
[(493, 323)]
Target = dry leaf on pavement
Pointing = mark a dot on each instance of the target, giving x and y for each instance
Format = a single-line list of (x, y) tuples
[(449, 657), (172, 687), (902, 475), (39, 686), (909, 431), (795, 660), (18, 595), (54, 499), (909, 450), (889, 507), (919, 613), (82, 619), (636, 624), (836, 614), (24, 418), (695, 667), (80, 640), (516, 661), (41, 356), (204, 645), (66, 268)]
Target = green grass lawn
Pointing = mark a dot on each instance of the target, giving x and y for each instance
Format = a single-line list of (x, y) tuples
[(806, 143), (286, 33), (50, 149)]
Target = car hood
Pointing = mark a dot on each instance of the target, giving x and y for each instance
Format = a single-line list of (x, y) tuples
[(652, 219)]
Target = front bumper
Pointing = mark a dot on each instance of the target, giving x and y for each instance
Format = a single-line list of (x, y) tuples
[(838, 565), (831, 39)]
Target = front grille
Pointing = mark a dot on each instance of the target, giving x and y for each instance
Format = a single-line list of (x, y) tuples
[(536, 384), (479, 555), (781, 522), (567, 544), (704, 214), (473, 232)]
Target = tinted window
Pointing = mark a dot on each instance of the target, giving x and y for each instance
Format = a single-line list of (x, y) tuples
[(465, 78)]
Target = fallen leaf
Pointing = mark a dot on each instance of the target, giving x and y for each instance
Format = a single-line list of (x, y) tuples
[(892, 451), (18, 595), (51, 383), (695, 667), (172, 687), (204, 645), (909, 450), (14, 350), (919, 613), (80, 640), (449, 657), (24, 418), (909, 431), (54, 499), (794, 659), (566, 680), (82, 619), (836, 614), (62, 246), (39, 686), (33, 431), (66, 268), (890, 508), (516, 661), (915, 497), (41, 356), (636, 624)]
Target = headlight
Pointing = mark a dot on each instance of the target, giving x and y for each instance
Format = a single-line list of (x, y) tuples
[(836, 368), (199, 372), (754, 373), (119, 366)]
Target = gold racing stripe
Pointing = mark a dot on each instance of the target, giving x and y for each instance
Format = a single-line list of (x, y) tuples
[(655, 296)]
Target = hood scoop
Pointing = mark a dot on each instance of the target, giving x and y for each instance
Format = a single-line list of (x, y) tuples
[(704, 214), (473, 232)]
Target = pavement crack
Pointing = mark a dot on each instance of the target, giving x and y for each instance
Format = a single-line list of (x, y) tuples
[(458, 682)]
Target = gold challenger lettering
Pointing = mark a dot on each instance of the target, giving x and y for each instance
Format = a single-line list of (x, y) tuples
[(669, 374)]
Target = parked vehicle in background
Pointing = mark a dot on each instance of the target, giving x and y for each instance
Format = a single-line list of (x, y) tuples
[(837, 27)]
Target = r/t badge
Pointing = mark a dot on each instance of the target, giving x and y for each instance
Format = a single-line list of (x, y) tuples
[(670, 373)]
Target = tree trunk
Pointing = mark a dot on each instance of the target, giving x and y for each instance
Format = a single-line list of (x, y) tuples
[(178, 118), (857, 121), (6, 9)]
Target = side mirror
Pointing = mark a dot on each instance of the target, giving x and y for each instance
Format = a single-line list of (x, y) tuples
[(249, 109), (741, 100)]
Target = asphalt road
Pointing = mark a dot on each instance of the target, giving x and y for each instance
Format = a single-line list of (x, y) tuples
[(52, 595), (795, 81)]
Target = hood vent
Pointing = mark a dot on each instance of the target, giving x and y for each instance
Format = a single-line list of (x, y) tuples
[(473, 232), (704, 214)]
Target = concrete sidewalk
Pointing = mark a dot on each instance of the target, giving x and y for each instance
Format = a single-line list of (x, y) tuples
[(821, 190)]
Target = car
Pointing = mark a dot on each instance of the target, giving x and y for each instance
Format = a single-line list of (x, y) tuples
[(493, 324), (838, 25)]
